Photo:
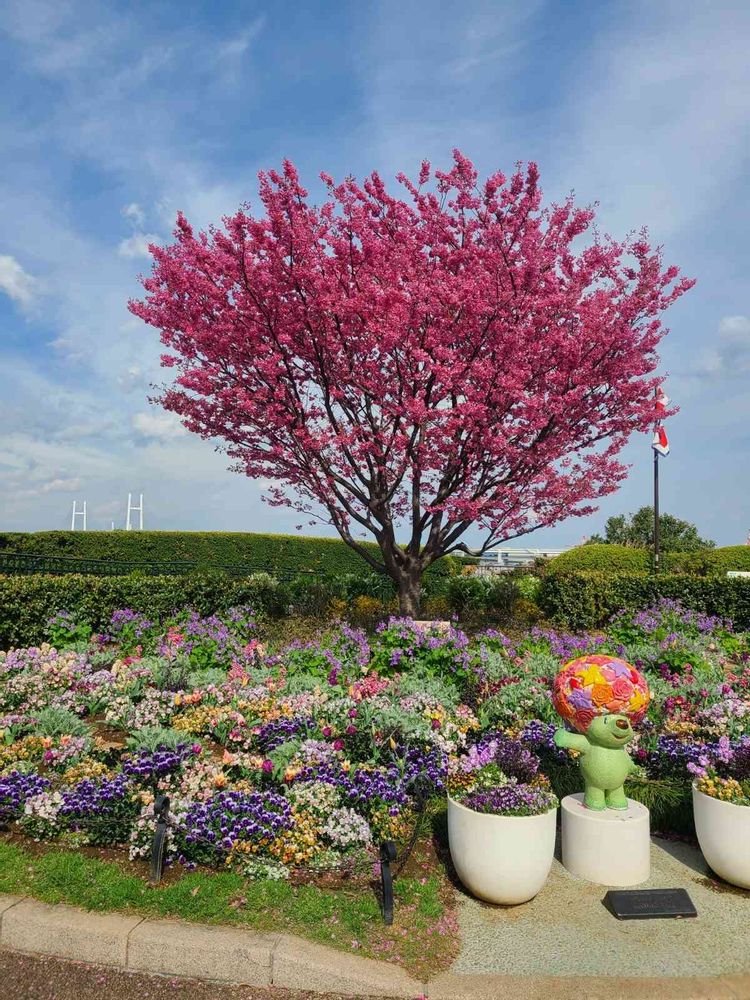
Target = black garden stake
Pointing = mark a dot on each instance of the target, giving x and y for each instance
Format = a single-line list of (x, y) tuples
[(387, 857), (159, 843)]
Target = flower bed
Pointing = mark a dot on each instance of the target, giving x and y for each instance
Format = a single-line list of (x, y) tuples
[(310, 756)]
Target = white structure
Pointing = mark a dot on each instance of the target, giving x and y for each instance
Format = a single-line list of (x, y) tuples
[(78, 513), (611, 847), (133, 509), (501, 859), (498, 560)]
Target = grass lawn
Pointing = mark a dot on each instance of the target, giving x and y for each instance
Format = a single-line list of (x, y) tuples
[(423, 937)]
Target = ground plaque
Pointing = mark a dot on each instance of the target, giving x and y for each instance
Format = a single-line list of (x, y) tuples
[(649, 904)]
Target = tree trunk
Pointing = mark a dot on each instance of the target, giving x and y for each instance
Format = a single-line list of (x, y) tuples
[(410, 591)]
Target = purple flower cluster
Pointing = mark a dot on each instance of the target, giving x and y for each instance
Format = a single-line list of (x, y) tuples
[(540, 737), (106, 803), (228, 817), (15, 788), (726, 759), (564, 645), (147, 766), (125, 619), (512, 800), (278, 731), (667, 611), (672, 757), (420, 771), (511, 756)]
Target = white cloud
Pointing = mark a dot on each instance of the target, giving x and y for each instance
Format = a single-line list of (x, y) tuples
[(133, 377), (14, 281), (160, 425), (655, 123), (730, 356), (137, 245), (61, 486), (235, 47), (134, 213)]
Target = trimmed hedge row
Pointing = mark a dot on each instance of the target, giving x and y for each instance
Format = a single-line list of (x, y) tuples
[(623, 559), (28, 602), (587, 600), (287, 553), (284, 554)]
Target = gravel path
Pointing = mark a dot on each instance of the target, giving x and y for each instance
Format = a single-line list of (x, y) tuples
[(566, 931), (26, 977)]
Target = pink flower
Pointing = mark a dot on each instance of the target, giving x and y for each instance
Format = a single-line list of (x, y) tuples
[(622, 689), (267, 766), (326, 731), (394, 312)]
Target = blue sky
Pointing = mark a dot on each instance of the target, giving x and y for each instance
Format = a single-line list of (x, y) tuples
[(116, 115)]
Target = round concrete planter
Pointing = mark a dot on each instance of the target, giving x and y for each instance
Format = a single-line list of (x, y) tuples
[(501, 859), (723, 831)]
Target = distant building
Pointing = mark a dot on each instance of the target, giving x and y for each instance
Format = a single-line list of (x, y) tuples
[(500, 560)]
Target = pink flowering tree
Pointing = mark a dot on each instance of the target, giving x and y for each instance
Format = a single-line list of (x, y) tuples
[(408, 366)]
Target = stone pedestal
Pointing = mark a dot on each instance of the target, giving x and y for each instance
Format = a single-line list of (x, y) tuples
[(611, 847)]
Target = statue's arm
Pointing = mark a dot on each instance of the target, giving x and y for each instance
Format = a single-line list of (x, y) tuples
[(571, 741)]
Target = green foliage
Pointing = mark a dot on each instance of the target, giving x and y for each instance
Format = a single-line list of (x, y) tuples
[(53, 721), (586, 600), (474, 596), (623, 559), (637, 530), (281, 555), (28, 602), (601, 557), (710, 562), (330, 916), (155, 738)]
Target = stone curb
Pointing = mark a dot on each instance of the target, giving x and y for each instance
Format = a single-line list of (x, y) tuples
[(233, 955)]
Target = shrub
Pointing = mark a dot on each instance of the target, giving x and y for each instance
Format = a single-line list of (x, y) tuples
[(587, 600), (27, 603), (709, 562), (482, 596), (609, 558), (623, 559), (282, 555)]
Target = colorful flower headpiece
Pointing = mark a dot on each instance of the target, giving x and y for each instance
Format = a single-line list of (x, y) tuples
[(595, 685)]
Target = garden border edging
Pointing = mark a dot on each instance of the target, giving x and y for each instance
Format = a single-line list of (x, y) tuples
[(232, 955)]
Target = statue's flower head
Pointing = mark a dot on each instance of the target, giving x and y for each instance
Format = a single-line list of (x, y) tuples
[(595, 685)]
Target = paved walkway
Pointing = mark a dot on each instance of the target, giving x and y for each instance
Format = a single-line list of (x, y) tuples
[(567, 930), (32, 977)]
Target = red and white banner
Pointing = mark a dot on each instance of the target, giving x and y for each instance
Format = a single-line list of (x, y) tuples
[(660, 442)]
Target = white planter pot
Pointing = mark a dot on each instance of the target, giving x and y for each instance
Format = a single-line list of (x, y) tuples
[(723, 831), (501, 859)]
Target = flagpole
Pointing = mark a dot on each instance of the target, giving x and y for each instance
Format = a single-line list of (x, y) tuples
[(656, 511)]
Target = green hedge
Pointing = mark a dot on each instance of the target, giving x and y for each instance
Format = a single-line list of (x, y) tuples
[(708, 562), (609, 558), (623, 559), (282, 554), (286, 553), (27, 602), (586, 600)]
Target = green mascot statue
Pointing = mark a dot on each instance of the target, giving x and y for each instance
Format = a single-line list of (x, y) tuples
[(602, 697)]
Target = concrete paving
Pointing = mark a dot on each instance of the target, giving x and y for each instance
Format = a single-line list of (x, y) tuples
[(566, 931)]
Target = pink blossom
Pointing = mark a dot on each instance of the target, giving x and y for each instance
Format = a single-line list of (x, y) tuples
[(459, 355)]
